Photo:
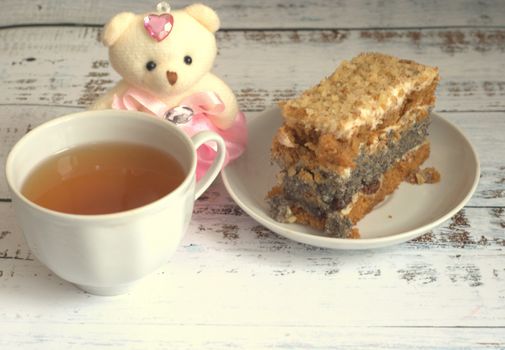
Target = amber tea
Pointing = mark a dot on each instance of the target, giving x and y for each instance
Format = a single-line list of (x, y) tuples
[(103, 178)]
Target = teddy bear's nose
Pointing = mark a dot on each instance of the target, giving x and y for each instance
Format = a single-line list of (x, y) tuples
[(172, 77)]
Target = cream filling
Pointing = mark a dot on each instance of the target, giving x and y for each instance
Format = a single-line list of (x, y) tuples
[(406, 118), (412, 150), (372, 116), (372, 148), (347, 210), (284, 138), (345, 172)]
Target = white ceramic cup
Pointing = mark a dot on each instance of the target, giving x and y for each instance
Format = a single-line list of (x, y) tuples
[(106, 254)]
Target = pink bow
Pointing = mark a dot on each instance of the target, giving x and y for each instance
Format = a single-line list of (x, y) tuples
[(205, 105)]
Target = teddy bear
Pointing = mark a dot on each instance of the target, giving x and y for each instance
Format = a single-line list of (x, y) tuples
[(165, 60)]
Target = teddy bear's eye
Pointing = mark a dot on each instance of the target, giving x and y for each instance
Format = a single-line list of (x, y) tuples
[(150, 65), (188, 60)]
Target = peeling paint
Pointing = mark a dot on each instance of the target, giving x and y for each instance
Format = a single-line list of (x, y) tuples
[(331, 272), (462, 88), (225, 209), (98, 74), (229, 231), (449, 41), (453, 41), (261, 231), (369, 272), (468, 273), (483, 241), (493, 194), (498, 216), (494, 88), (415, 37), (294, 37), (458, 235), (100, 64), (498, 212), (488, 40), (426, 238), (332, 36), (283, 272), (93, 89), (255, 100), (418, 273), (266, 37), (380, 35)]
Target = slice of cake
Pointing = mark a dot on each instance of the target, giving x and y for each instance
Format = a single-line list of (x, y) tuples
[(349, 141)]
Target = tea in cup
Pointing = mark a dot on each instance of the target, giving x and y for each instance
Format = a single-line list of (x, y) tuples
[(103, 178)]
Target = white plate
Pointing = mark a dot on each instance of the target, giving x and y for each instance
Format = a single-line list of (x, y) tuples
[(408, 213)]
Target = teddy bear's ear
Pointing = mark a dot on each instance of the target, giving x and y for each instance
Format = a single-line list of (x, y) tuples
[(115, 27), (205, 15)]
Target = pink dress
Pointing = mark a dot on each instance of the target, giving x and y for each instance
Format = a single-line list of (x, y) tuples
[(203, 105)]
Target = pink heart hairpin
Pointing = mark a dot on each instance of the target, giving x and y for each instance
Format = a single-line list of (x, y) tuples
[(159, 26)]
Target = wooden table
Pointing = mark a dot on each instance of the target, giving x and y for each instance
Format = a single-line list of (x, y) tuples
[(232, 283)]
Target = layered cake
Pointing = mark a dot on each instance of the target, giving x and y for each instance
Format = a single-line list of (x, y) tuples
[(349, 141)]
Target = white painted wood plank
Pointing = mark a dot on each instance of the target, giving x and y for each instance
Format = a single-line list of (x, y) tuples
[(143, 336), (485, 130), (275, 14), (230, 271), (68, 66)]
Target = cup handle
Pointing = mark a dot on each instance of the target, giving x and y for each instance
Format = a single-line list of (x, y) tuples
[(199, 139)]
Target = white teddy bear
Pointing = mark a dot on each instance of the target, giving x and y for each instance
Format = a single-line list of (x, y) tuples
[(165, 60)]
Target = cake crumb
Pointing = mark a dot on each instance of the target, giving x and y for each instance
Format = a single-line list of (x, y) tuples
[(355, 233), (425, 176), (291, 219), (285, 138)]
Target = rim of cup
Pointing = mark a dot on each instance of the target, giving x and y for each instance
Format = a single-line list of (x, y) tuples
[(152, 206)]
